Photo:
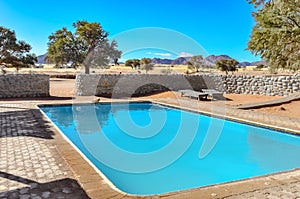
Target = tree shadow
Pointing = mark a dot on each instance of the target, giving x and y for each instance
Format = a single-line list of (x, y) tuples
[(24, 122), (64, 188)]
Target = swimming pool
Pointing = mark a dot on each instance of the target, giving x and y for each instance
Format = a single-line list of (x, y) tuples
[(146, 148)]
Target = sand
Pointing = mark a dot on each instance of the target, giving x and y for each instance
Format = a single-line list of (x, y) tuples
[(291, 109), (62, 87), (66, 87)]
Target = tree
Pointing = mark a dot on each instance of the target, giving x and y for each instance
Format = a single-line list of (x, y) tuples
[(147, 67), (227, 65), (195, 62), (102, 55), (260, 66), (14, 53), (62, 48), (133, 63), (276, 35), (147, 64), (87, 46), (145, 61)]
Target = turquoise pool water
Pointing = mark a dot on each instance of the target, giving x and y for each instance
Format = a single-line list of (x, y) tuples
[(145, 148)]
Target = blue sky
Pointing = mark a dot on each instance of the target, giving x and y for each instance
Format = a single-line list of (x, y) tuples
[(217, 26)]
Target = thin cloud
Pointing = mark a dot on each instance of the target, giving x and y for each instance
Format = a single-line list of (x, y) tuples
[(149, 53), (163, 54), (185, 54)]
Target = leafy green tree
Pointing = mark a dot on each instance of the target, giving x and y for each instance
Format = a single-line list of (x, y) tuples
[(14, 53), (102, 55), (87, 46), (260, 66), (276, 35), (227, 65), (129, 63), (147, 64), (195, 62), (145, 61), (133, 63), (62, 48)]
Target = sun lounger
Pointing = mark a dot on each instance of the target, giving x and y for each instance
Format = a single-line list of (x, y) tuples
[(184, 92), (213, 93), (193, 94)]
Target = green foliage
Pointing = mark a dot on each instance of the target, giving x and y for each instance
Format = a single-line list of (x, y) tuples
[(258, 2), (14, 53), (61, 48), (260, 66), (145, 61), (146, 64), (227, 65), (133, 63), (276, 35), (195, 62), (88, 46), (102, 55)]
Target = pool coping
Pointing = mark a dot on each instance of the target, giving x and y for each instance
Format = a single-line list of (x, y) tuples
[(234, 119), (264, 181)]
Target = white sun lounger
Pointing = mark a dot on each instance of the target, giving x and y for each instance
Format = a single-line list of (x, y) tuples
[(213, 93), (194, 94)]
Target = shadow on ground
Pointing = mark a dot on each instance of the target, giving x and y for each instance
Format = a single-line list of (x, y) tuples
[(64, 188), (20, 121), (24, 122)]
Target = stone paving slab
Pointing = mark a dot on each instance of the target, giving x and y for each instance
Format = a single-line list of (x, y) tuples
[(30, 165), (289, 191)]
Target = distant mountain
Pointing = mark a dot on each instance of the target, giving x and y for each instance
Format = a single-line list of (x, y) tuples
[(258, 63), (41, 59), (180, 60), (162, 61), (208, 61), (214, 58), (244, 64)]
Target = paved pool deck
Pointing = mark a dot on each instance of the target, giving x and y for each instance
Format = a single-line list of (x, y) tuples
[(37, 162)]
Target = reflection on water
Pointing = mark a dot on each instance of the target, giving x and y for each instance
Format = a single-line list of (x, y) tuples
[(90, 118), (62, 115)]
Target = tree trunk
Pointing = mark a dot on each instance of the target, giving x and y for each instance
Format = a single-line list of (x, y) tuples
[(87, 69)]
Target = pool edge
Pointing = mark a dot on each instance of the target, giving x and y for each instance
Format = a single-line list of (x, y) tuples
[(234, 119), (66, 139), (188, 191)]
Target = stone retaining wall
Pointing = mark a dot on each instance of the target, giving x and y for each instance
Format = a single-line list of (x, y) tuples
[(142, 84), (133, 85), (262, 85), (24, 85)]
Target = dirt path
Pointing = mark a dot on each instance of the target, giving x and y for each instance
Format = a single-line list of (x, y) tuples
[(62, 87)]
